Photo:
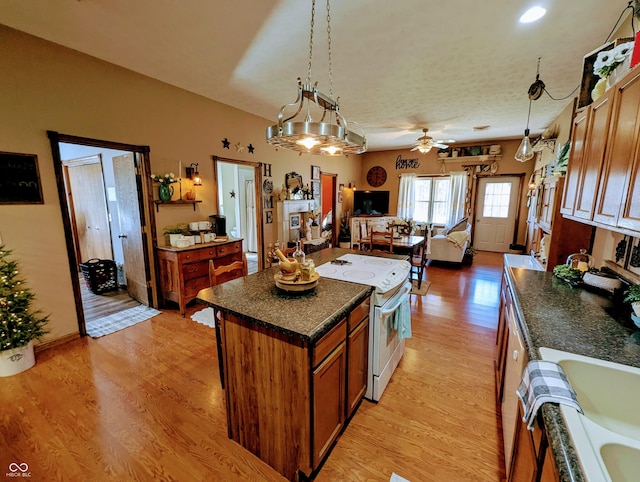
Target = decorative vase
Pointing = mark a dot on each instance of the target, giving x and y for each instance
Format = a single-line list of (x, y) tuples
[(599, 89), (16, 360), (173, 239), (636, 307), (616, 74), (165, 191)]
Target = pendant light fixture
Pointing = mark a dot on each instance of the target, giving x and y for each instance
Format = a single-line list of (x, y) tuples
[(331, 135), (525, 149)]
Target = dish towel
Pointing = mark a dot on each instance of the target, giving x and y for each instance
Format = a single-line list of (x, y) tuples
[(402, 319), (544, 381)]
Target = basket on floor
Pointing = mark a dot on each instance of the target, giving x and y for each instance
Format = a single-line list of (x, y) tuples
[(100, 275)]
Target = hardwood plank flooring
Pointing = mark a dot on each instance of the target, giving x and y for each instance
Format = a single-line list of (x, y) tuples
[(96, 306), (145, 403)]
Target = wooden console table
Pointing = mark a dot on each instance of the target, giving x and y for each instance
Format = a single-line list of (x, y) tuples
[(185, 271)]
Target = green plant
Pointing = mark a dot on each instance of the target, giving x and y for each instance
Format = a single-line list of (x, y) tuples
[(181, 228), (18, 326), (566, 272), (632, 294), (168, 178)]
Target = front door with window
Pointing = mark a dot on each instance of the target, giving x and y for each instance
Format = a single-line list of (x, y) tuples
[(496, 213)]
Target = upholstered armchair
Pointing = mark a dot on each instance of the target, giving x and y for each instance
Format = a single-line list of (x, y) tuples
[(450, 244)]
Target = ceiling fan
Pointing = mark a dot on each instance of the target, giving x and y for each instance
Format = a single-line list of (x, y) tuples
[(425, 143)]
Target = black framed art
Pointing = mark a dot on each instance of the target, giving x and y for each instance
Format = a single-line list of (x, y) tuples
[(315, 173), (19, 179)]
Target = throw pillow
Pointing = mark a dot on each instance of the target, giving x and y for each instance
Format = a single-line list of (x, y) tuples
[(459, 226)]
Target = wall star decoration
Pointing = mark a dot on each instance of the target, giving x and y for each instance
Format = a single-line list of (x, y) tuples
[(226, 143), (250, 148), (232, 194), (239, 147)]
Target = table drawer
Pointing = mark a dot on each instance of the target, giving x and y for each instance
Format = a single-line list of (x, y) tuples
[(208, 253), (192, 287), (196, 270), (230, 248)]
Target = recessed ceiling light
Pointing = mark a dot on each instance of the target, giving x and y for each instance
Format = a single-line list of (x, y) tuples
[(533, 14), (480, 128)]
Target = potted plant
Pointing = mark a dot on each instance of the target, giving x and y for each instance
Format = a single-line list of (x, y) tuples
[(19, 326), (632, 295), (344, 237), (175, 231)]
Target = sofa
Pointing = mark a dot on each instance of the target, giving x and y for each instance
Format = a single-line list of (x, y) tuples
[(450, 244)]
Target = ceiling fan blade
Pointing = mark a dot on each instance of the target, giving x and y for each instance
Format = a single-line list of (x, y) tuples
[(440, 146), (416, 148)]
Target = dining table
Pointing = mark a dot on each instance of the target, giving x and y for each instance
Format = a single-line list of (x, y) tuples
[(404, 244)]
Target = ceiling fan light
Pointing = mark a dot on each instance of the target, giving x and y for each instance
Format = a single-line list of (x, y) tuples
[(525, 151), (424, 149), (331, 150)]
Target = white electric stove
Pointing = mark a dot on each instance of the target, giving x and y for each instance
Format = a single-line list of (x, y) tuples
[(389, 277)]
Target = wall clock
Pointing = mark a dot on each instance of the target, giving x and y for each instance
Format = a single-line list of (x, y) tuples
[(376, 176)]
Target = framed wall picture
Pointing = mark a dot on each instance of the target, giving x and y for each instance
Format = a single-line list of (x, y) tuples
[(315, 173), (19, 179), (294, 221), (340, 196)]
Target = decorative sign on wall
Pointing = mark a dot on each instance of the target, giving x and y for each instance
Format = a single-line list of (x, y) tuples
[(19, 179), (267, 188), (407, 163)]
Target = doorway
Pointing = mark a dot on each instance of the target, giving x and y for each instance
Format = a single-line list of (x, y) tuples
[(102, 191), (328, 205), (238, 187), (496, 213)]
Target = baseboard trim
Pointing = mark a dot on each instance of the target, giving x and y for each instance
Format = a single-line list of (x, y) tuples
[(58, 341)]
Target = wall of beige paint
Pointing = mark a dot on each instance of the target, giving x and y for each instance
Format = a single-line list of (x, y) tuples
[(48, 87), (428, 164)]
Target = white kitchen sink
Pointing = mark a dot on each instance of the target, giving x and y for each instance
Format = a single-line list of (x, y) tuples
[(607, 436)]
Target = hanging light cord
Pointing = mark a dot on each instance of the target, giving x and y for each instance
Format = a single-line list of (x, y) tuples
[(528, 117), (313, 14), (329, 49), (629, 6)]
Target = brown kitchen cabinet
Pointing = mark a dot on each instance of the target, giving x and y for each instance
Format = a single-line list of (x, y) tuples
[(524, 464), (185, 271), (578, 142), (565, 236), (621, 148), (287, 399), (357, 361)]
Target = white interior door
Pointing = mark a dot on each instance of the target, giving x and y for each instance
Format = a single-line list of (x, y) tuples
[(251, 243), (496, 213)]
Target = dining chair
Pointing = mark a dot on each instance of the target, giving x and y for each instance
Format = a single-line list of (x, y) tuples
[(381, 241), (234, 270), (419, 259)]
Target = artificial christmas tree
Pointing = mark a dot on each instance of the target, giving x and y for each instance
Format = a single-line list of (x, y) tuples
[(18, 326)]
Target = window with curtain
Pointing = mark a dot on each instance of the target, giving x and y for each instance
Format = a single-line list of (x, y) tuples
[(432, 200)]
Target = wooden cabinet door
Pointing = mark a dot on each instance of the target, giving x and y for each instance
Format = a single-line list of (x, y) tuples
[(549, 472), (620, 150), (626, 132), (594, 150), (502, 337), (549, 192), (357, 363), (524, 464), (575, 162), (328, 402)]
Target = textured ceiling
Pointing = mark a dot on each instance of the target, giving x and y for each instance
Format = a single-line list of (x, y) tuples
[(397, 66)]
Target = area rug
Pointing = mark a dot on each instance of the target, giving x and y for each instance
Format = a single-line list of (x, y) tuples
[(423, 287), (204, 317), (116, 322)]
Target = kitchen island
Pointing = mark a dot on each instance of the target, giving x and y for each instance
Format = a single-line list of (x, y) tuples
[(294, 366), (552, 314)]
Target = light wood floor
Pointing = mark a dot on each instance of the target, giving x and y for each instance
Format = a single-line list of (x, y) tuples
[(105, 304), (145, 403)]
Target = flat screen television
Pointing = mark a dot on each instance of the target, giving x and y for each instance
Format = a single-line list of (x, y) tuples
[(370, 202)]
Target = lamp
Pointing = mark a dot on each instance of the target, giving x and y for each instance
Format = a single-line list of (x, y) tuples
[(331, 134), (352, 185), (525, 149), (192, 173)]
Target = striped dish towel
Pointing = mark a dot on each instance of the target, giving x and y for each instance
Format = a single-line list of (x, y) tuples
[(544, 381)]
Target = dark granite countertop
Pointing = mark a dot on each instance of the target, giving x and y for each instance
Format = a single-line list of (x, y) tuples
[(306, 316), (555, 315)]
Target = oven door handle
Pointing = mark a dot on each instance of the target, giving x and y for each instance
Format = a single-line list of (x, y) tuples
[(398, 298)]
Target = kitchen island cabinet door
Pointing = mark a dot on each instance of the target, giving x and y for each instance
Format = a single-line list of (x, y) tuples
[(328, 402), (576, 158), (630, 98), (524, 464), (357, 363), (593, 155)]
